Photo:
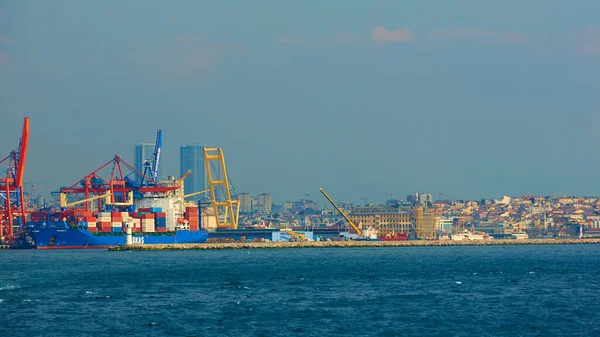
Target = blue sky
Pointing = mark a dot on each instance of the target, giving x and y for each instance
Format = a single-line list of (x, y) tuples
[(470, 99)]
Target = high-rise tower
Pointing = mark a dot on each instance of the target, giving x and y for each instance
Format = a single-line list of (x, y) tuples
[(142, 152), (191, 157)]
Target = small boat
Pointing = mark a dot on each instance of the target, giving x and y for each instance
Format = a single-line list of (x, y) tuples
[(466, 235)]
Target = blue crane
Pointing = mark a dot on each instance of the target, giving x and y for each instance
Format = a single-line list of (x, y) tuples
[(156, 160)]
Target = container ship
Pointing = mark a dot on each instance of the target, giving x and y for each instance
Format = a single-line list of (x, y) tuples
[(82, 229)]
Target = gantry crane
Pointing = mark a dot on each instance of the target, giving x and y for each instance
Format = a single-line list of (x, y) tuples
[(120, 185), (226, 210), (11, 186)]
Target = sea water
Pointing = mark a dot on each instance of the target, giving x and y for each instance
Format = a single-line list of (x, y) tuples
[(550, 290)]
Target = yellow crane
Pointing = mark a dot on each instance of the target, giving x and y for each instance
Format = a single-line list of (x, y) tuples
[(358, 231), (64, 204), (179, 181), (195, 193), (302, 237), (226, 210)]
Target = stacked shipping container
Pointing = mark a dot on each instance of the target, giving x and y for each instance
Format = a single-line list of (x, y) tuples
[(192, 216), (160, 222), (151, 219)]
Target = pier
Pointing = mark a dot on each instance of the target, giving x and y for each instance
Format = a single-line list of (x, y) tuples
[(351, 244)]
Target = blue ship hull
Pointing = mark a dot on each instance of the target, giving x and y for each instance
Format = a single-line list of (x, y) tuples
[(47, 237)]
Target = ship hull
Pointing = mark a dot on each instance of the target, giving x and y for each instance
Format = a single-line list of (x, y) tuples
[(397, 237), (75, 238)]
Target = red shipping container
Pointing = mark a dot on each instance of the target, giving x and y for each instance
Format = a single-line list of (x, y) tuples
[(147, 216), (105, 230), (161, 214)]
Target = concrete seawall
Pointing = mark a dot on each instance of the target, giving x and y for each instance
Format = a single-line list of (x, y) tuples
[(349, 244)]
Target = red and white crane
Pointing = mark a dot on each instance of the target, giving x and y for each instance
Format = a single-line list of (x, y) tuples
[(12, 203)]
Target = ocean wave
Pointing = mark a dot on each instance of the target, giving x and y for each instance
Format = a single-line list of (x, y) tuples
[(9, 287)]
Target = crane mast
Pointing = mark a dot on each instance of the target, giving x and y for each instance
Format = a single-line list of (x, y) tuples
[(341, 212), (11, 185), (156, 159)]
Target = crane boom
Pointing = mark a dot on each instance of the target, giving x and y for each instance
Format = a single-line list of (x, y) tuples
[(341, 212), (180, 180), (195, 193), (63, 199), (23, 145), (156, 159)]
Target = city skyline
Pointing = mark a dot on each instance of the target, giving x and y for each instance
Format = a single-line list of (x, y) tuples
[(470, 100)]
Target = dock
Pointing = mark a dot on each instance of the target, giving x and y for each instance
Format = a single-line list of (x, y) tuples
[(350, 244)]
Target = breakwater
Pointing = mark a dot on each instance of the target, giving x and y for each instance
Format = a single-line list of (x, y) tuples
[(352, 244)]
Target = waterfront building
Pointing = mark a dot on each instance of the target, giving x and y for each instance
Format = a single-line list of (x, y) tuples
[(444, 223), (423, 221), (387, 220), (191, 157)]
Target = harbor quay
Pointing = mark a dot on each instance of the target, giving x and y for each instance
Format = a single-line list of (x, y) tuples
[(350, 244)]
